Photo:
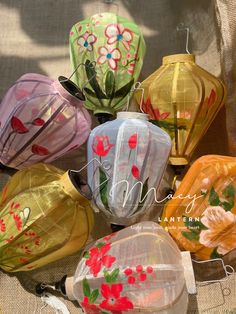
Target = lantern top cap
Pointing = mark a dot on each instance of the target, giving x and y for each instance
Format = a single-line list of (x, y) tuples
[(178, 58), (132, 115)]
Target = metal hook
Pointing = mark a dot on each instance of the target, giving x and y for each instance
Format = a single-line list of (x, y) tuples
[(67, 79), (182, 27), (128, 97), (136, 87)]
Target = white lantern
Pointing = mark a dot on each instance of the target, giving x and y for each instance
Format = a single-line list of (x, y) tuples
[(127, 158)]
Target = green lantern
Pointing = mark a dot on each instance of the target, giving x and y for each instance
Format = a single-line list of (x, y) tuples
[(111, 51)]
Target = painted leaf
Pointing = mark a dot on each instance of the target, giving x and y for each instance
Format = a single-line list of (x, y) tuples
[(124, 90), (214, 198), (114, 274), (90, 92), (103, 187), (190, 235), (86, 288), (110, 84), (91, 75), (111, 277), (215, 254), (144, 191), (227, 205), (229, 191), (86, 255), (99, 245), (93, 296)]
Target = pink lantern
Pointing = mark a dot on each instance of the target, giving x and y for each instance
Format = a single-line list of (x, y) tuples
[(40, 120)]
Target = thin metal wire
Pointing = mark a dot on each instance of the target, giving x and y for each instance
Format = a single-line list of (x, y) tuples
[(91, 64), (67, 79), (182, 27), (227, 273), (136, 86)]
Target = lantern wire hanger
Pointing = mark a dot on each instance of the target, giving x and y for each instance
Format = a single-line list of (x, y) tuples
[(136, 87), (228, 269), (71, 87), (180, 28)]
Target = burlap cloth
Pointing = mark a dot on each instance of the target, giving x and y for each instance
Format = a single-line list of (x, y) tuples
[(34, 38)]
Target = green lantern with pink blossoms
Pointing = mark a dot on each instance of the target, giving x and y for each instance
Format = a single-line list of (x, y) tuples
[(107, 54)]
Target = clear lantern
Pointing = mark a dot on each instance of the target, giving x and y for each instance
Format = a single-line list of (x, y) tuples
[(41, 120), (136, 270), (112, 49), (127, 158), (182, 99)]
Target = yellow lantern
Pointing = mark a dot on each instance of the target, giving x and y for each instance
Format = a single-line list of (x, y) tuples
[(44, 216), (183, 99)]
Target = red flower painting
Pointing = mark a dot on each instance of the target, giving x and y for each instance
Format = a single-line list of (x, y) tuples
[(18, 221), (18, 126), (154, 114), (101, 145), (98, 258), (38, 122), (114, 302)]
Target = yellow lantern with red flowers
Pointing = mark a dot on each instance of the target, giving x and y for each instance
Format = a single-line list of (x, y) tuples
[(183, 99)]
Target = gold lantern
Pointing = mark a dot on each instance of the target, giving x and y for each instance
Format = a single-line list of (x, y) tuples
[(183, 99)]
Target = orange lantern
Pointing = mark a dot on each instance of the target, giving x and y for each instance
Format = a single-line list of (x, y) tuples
[(183, 99), (201, 217)]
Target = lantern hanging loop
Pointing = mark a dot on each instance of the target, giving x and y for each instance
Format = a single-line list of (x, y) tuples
[(136, 87), (67, 79), (92, 64), (63, 79), (182, 27)]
